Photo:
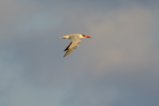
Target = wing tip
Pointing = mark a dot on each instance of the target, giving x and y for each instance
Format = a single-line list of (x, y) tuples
[(65, 54)]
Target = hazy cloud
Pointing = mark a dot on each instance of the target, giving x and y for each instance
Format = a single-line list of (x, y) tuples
[(118, 66)]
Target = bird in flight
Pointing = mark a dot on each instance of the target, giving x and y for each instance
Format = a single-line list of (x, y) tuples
[(75, 41)]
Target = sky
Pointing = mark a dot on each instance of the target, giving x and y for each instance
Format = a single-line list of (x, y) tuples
[(117, 67)]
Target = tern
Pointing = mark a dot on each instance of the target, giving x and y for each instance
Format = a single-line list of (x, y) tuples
[(75, 42)]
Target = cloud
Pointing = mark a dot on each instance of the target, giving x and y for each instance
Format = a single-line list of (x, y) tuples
[(12, 13), (121, 38), (118, 66)]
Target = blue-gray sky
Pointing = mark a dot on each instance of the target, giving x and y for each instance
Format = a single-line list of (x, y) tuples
[(117, 67)]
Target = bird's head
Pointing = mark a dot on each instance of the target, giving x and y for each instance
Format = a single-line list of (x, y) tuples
[(86, 36)]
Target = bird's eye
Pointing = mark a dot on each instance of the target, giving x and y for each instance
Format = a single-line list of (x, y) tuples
[(84, 35)]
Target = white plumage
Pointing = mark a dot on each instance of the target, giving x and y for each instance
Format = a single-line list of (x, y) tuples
[(75, 41)]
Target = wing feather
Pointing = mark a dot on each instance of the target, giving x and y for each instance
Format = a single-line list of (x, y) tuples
[(71, 47), (68, 46)]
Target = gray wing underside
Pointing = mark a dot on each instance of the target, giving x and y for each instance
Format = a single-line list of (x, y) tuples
[(68, 52), (71, 47)]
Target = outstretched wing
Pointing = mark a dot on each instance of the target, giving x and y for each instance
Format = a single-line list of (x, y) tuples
[(71, 47), (68, 46)]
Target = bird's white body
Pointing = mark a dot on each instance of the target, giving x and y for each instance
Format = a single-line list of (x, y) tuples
[(75, 41)]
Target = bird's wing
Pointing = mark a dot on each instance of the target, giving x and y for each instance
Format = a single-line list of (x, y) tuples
[(70, 48), (68, 52)]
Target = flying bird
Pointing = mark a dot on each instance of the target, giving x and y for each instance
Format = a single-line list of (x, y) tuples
[(75, 42)]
